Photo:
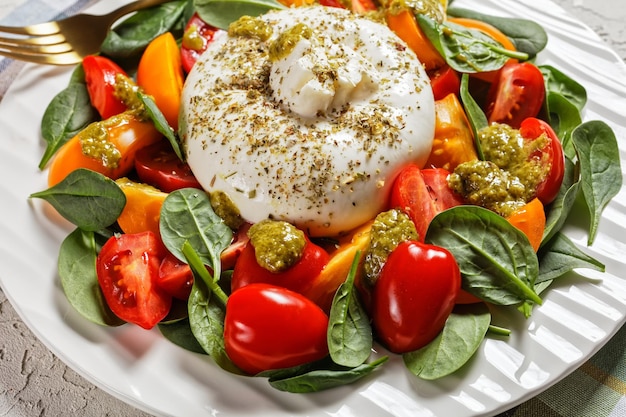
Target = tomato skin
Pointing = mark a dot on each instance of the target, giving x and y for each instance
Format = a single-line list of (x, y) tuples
[(233, 251), (100, 76), (202, 33), (299, 278), (127, 268), (159, 166), (422, 194), (414, 295), (175, 277), (531, 128), (269, 327), (444, 81), (517, 94)]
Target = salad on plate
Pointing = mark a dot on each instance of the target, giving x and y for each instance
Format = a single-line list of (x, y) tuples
[(300, 190)]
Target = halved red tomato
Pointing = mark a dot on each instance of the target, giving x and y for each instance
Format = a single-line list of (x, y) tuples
[(422, 194), (198, 35), (175, 277), (127, 268), (518, 93), (444, 81), (160, 167), (100, 77), (532, 128)]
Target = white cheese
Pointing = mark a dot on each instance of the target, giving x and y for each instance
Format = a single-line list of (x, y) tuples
[(315, 136)]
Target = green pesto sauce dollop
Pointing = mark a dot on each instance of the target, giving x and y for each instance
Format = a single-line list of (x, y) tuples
[(287, 40), (508, 177), (251, 27), (390, 228), (278, 245), (94, 142), (224, 207)]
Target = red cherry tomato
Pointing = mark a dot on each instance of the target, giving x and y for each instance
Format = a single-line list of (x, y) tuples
[(159, 166), (233, 251), (518, 93), (422, 194), (299, 278), (332, 3), (198, 35), (414, 295), (100, 77), (175, 277), (268, 327), (127, 268), (445, 81), (532, 128)]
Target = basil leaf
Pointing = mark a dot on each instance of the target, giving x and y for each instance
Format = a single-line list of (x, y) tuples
[(528, 36), (187, 216), (221, 13), (87, 199), (561, 255), (497, 262), (461, 336), (601, 173), (475, 114), (466, 50), (323, 379), (159, 121), (349, 331), (77, 270), (131, 37), (179, 333), (69, 112)]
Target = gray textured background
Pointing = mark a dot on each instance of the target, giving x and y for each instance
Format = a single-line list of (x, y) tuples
[(34, 382)]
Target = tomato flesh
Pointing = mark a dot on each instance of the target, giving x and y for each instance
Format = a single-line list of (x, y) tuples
[(175, 277), (517, 94), (202, 34), (127, 268), (268, 327), (100, 77), (444, 81), (532, 128), (414, 295), (160, 167)]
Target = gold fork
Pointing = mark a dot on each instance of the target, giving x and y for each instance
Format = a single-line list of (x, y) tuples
[(66, 41)]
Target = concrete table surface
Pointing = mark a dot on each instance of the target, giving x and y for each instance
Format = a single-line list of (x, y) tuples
[(34, 382)]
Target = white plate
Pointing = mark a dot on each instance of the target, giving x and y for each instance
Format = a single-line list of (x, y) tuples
[(140, 367)]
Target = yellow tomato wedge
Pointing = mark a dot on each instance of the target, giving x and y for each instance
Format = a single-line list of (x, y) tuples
[(143, 207), (530, 219)]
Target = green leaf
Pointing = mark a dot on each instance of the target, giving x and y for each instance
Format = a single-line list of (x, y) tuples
[(461, 336), (559, 83), (323, 379), (69, 112), (349, 331), (77, 270), (159, 121), (466, 50), (528, 36), (601, 173), (561, 255), (497, 262), (131, 37), (180, 334), (559, 210), (187, 216), (221, 13), (87, 199), (474, 113)]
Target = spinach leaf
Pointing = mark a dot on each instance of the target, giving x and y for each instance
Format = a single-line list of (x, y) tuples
[(560, 208), (528, 36), (323, 379), (187, 216), (561, 255), (221, 13), (559, 83), (206, 306), (349, 331), (475, 114), (159, 121), (180, 334), (461, 336), (601, 173), (69, 112), (87, 199), (77, 270), (131, 37), (466, 50), (497, 263)]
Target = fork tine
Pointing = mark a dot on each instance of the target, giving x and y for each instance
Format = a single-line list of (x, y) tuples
[(56, 48), (66, 58), (41, 29), (32, 41)]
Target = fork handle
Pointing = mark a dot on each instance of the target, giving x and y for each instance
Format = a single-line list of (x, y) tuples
[(134, 6)]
